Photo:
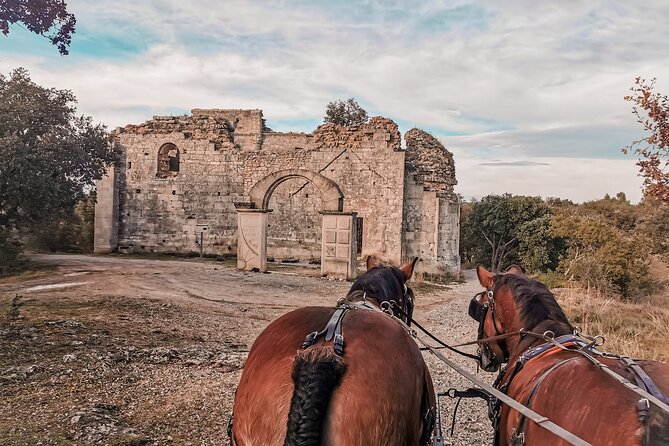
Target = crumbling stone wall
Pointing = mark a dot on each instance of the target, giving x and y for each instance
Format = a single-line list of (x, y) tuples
[(404, 199), (431, 209), (224, 153)]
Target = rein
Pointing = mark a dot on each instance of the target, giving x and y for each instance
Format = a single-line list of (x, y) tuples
[(495, 338), (549, 337), (540, 420)]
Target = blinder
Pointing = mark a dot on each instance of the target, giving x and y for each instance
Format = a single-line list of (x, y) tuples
[(408, 302), (477, 310)]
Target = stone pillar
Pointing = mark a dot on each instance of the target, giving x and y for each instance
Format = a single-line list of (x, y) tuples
[(252, 238), (448, 248), (105, 239), (339, 238)]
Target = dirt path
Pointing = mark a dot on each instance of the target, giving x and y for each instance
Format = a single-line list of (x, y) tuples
[(128, 351)]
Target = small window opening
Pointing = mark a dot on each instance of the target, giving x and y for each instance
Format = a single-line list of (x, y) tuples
[(139, 191), (168, 161), (174, 192), (129, 165)]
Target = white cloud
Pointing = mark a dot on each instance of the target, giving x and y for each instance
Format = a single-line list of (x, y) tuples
[(519, 80), (579, 179)]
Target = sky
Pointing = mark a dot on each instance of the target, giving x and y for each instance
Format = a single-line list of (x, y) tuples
[(528, 95)]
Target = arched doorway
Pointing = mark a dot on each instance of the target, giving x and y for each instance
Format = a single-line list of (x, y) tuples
[(294, 225), (337, 228)]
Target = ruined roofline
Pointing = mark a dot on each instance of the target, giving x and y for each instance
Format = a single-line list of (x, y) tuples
[(205, 111)]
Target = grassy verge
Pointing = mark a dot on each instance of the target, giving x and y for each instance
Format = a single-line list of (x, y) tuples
[(637, 329)]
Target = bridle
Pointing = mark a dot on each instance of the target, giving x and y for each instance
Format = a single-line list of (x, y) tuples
[(479, 311), (408, 305), (402, 309)]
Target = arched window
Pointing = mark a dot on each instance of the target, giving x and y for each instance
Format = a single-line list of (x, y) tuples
[(168, 161)]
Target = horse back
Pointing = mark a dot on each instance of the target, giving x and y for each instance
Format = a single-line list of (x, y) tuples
[(584, 400), (266, 386), (378, 399)]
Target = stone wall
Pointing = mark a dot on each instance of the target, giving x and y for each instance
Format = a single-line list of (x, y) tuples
[(431, 227), (224, 153)]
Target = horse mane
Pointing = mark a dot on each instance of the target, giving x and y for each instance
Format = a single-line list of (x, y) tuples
[(384, 283), (535, 302)]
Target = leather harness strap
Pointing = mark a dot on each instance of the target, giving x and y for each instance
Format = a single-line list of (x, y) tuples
[(332, 330), (518, 434), (642, 379)]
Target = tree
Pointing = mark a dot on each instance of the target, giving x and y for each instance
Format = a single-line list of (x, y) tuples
[(346, 113), (49, 157), (48, 18), (652, 112), (504, 229), (600, 255)]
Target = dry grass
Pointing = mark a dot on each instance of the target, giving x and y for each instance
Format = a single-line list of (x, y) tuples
[(637, 329)]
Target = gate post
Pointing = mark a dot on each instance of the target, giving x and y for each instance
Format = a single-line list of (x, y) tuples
[(251, 237), (339, 244)]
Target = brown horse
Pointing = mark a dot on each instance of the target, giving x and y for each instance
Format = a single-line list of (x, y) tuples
[(560, 383), (339, 377)]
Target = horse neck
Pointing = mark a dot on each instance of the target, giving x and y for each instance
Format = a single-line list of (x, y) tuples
[(360, 296), (522, 343), (509, 317)]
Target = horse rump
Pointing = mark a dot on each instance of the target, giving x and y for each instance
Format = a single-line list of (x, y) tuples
[(316, 372)]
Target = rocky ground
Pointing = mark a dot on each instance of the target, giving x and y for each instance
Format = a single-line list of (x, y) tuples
[(127, 351)]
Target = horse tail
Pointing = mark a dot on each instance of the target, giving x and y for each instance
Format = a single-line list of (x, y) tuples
[(658, 427), (316, 372)]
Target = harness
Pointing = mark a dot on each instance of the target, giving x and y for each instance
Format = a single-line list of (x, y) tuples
[(576, 344), (478, 312), (334, 332), (570, 342)]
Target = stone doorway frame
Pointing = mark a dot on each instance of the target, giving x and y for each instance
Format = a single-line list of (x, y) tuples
[(338, 239)]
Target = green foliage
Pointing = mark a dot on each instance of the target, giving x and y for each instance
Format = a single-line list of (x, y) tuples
[(602, 256), (346, 113), (503, 229), (49, 156), (48, 18), (604, 244), (653, 225), (72, 232)]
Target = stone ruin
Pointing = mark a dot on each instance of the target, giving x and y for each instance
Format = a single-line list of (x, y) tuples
[(219, 182)]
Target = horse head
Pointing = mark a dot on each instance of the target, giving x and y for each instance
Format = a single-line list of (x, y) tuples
[(510, 304), (488, 308), (383, 283)]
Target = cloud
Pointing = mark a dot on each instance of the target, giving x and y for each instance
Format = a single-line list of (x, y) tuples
[(494, 80), (580, 141), (513, 164), (582, 179)]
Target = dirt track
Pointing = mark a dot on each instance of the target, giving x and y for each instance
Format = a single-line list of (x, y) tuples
[(127, 351)]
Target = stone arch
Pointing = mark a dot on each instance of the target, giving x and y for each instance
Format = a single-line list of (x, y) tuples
[(331, 195)]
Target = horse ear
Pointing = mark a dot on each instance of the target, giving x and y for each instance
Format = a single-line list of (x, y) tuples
[(372, 262), (408, 267), (485, 277), (515, 269)]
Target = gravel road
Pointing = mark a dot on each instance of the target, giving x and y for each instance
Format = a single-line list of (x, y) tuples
[(129, 351)]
